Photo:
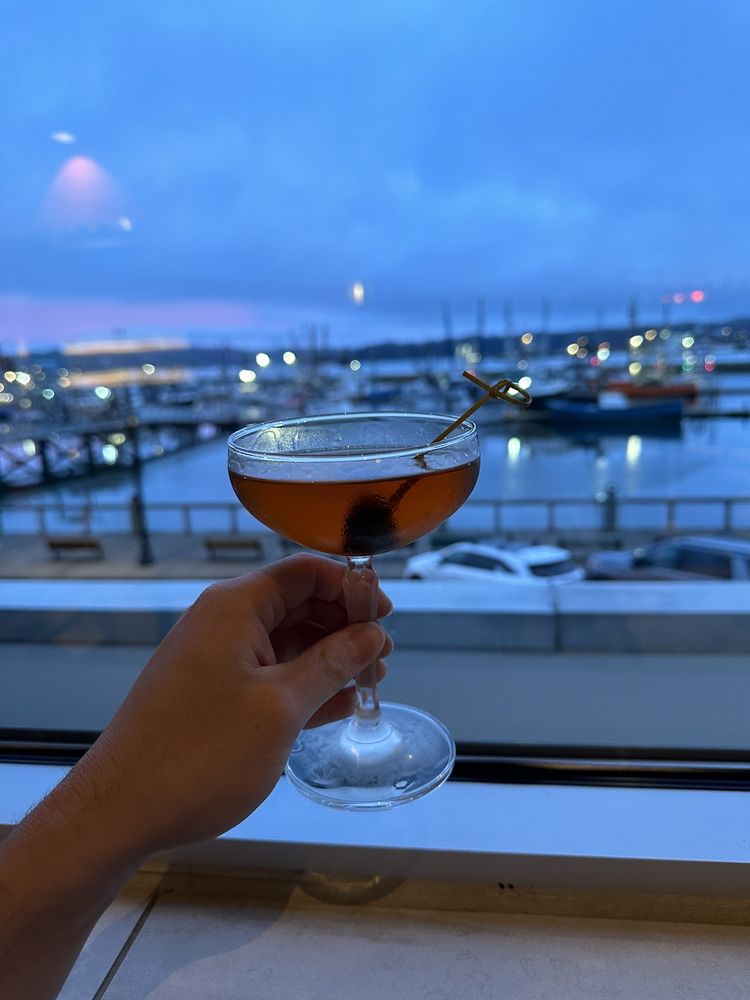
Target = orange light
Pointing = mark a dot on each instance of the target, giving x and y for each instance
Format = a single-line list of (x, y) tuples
[(697, 295), (132, 346), (678, 297)]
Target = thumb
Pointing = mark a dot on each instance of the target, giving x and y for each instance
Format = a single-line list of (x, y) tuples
[(326, 667)]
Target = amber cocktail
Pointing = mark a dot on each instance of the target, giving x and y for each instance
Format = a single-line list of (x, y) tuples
[(357, 485)]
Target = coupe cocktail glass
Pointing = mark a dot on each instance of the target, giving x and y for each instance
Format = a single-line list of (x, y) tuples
[(357, 485)]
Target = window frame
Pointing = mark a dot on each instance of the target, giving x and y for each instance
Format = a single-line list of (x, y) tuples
[(520, 836), (487, 763)]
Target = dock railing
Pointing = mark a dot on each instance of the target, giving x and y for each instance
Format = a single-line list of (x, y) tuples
[(605, 518)]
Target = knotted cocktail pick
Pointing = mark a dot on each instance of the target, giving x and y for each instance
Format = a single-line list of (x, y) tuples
[(370, 524), (509, 392)]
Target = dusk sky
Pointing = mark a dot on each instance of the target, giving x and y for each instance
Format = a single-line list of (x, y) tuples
[(238, 166)]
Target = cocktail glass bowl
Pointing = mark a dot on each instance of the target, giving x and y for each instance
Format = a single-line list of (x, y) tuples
[(358, 485)]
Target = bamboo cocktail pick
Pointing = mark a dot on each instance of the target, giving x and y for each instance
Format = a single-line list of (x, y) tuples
[(371, 522), (500, 390)]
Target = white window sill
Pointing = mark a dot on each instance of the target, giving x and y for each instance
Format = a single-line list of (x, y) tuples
[(532, 836)]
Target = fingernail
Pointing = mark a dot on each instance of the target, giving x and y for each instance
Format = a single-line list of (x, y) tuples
[(362, 637), (388, 605)]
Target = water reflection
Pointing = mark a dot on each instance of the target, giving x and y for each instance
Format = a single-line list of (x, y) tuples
[(708, 458), (633, 449), (514, 449)]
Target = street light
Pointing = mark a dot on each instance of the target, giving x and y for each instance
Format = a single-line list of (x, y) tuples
[(137, 506)]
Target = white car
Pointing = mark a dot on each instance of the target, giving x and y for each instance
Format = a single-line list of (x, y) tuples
[(518, 564)]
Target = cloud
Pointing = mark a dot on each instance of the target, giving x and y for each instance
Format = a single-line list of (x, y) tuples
[(273, 153)]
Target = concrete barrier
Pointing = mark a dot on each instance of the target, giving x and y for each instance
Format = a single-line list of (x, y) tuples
[(85, 612), (464, 615), (586, 617), (654, 617)]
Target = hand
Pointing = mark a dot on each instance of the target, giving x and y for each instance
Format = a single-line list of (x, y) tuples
[(198, 743), (204, 734)]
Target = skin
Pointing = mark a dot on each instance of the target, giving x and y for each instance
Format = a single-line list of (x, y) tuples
[(197, 745)]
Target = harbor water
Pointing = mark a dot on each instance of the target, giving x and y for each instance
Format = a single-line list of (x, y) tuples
[(701, 458)]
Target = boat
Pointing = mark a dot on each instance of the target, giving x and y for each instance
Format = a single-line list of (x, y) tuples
[(654, 389), (543, 389), (546, 389), (613, 409)]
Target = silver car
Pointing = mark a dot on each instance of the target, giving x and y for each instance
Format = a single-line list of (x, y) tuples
[(689, 557)]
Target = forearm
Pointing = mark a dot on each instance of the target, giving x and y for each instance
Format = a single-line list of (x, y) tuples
[(59, 870)]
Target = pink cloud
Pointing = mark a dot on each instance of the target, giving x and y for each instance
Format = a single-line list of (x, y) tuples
[(26, 321), (52, 321)]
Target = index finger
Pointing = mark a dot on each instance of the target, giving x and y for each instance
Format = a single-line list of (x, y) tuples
[(275, 591)]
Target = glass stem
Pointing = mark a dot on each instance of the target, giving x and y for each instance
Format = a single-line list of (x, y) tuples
[(361, 586)]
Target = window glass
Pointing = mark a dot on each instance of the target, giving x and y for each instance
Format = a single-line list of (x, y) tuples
[(705, 561), (216, 215), (553, 569), (667, 555), (458, 559), (502, 567), (479, 561), (473, 559)]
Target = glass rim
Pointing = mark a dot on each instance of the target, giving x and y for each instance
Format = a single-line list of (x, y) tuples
[(465, 430)]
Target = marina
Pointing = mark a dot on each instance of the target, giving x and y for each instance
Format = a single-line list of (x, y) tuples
[(617, 451)]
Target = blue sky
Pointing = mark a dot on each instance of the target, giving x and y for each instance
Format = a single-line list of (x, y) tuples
[(268, 155)]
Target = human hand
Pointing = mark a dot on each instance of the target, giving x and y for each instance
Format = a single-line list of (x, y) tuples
[(198, 743), (204, 734)]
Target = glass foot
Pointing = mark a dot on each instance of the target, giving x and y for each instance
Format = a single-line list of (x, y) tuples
[(360, 765)]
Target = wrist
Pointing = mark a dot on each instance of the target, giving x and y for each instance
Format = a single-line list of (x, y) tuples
[(73, 841), (59, 871)]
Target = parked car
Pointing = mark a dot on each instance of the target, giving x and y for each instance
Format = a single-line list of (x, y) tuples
[(517, 564), (692, 557)]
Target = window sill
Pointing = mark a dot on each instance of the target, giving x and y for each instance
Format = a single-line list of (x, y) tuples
[(551, 838)]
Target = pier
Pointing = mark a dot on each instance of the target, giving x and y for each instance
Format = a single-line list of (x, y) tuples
[(35, 454)]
